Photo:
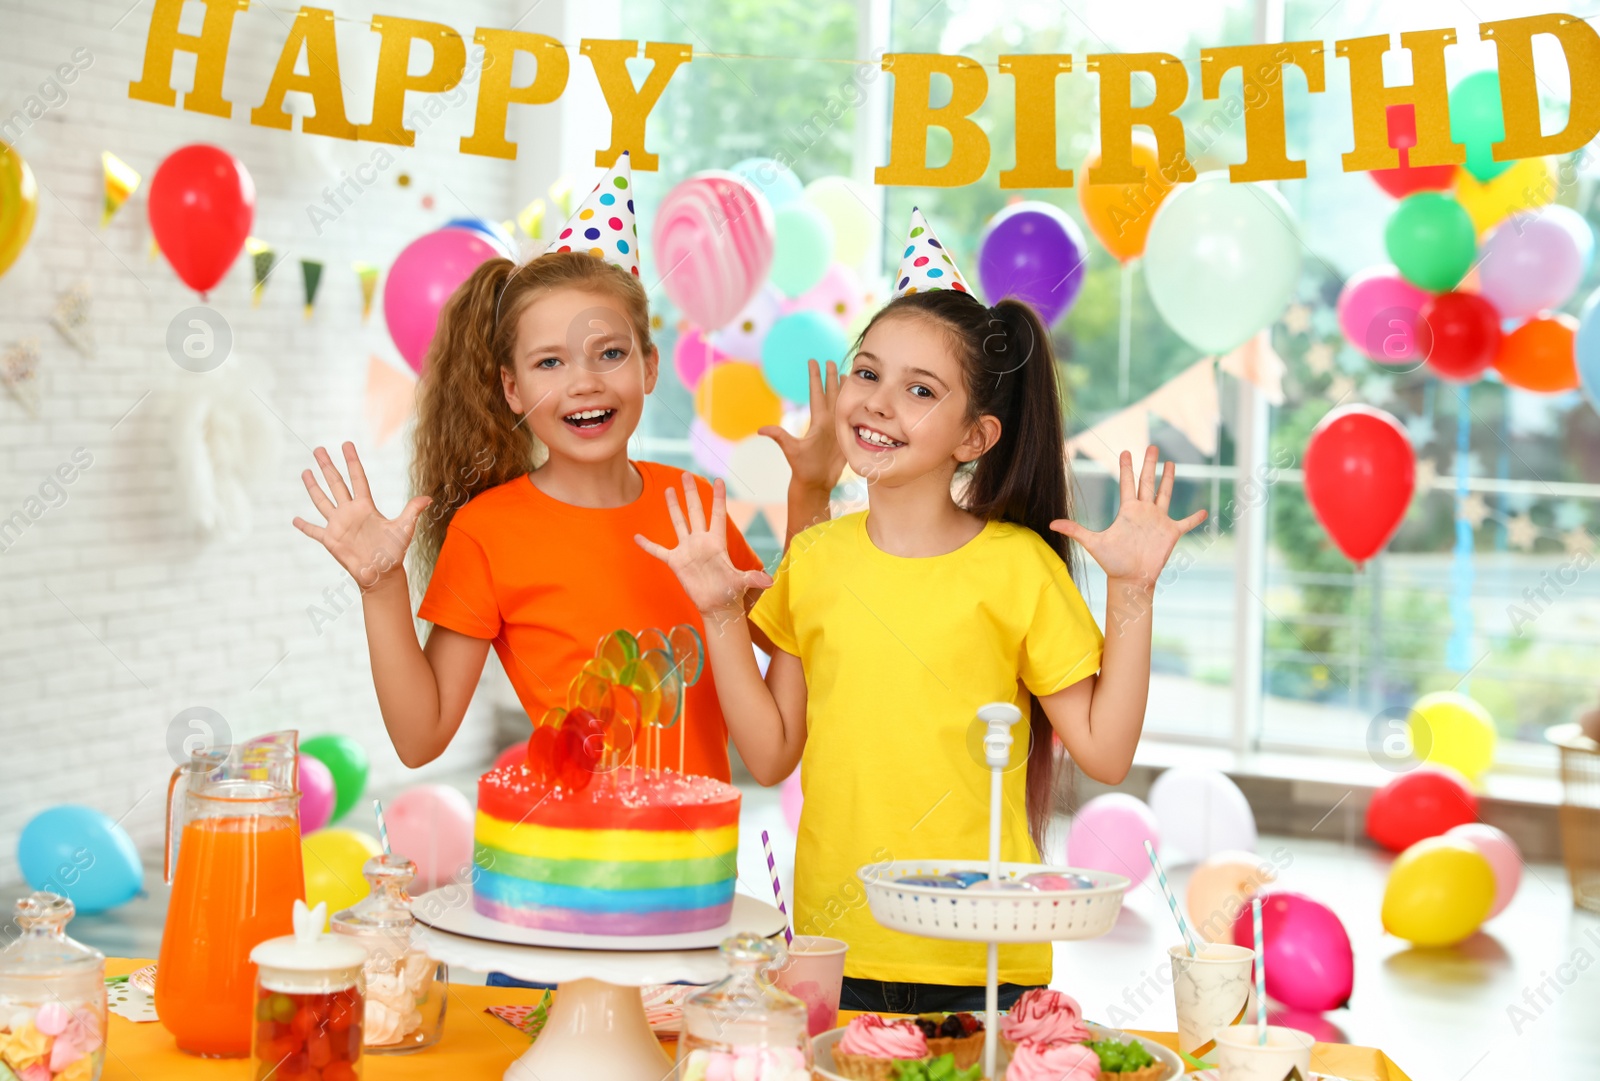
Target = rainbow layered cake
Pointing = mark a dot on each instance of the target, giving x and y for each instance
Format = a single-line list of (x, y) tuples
[(633, 853)]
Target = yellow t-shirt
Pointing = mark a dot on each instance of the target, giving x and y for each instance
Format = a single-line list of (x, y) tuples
[(898, 655)]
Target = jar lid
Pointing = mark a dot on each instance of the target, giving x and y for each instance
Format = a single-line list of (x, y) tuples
[(309, 949), (43, 948), (387, 907)]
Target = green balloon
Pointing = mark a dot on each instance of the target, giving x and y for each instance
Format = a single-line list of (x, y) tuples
[(1477, 123), (802, 247), (347, 761), (1431, 241)]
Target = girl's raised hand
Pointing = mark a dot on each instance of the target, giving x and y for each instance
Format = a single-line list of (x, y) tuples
[(1135, 546), (368, 545), (815, 459), (700, 559)]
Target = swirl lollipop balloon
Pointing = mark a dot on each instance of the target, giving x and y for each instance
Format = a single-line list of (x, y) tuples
[(713, 246)]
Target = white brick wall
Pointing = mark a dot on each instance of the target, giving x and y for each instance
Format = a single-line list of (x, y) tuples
[(114, 615)]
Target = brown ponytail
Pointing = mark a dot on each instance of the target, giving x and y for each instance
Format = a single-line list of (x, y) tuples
[(1010, 371), (467, 440)]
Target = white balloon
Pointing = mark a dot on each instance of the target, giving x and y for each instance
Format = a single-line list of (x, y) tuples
[(742, 336), (758, 471), (1201, 812)]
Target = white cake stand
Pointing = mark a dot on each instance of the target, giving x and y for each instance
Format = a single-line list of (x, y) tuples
[(597, 1027), (974, 915)]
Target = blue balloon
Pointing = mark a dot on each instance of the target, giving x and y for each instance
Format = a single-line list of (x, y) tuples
[(795, 339), (81, 854), (772, 179), (1587, 347), (494, 233)]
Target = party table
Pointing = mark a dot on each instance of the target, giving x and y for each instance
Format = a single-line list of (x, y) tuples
[(478, 1046)]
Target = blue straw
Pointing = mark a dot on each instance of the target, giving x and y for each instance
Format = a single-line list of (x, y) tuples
[(1261, 974), (1172, 901)]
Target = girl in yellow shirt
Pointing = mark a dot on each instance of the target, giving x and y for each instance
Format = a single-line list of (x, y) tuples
[(893, 625)]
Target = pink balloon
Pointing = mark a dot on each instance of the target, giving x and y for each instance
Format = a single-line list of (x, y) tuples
[(1310, 965), (431, 825), (316, 794), (422, 280), (838, 295), (1108, 834), (1504, 859), (1528, 264), (694, 356), (514, 755), (1378, 312), (791, 799), (713, 245), (710, 451)]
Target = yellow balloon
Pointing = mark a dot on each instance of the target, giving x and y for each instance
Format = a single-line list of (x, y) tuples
[(333, 861), (1439, 891), (847, 206), (1527, 185), (735, 401), (1450, 729), (19, 205)]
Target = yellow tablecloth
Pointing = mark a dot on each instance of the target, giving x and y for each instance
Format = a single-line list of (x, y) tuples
[(478, 1047)]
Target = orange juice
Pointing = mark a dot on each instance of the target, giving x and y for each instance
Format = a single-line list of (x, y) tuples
[(236, 883)]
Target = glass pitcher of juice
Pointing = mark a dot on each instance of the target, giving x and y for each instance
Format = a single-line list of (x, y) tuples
[(233, 861)]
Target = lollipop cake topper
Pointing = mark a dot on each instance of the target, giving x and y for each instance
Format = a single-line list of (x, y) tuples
[(926, 265), (604, 224)]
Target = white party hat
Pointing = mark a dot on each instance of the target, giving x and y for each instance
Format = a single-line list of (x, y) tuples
[(604, 224), (926, 265)]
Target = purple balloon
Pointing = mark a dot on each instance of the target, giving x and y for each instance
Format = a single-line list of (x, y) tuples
[(1034, 252), (316, 794), (1529, 264)]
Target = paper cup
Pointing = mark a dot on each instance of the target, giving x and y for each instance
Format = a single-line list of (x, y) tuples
[(813, 972), (1241, 1058), (1211, 992)]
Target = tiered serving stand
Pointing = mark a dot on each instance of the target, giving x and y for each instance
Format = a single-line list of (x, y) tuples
[(597, 1027), (992, 917)]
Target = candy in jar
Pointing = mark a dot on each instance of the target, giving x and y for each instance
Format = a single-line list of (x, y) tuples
[(309, 1003), (52, 998), (744, 1027), (405, 987)]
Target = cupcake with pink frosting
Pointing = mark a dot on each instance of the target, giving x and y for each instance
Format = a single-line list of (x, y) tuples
[(1053, 1062), (1045, 1017), (871, 1046)]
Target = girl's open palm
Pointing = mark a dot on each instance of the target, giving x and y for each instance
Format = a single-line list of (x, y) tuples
[(700, 559), (815, 459), (365, 543), (1137, 544)]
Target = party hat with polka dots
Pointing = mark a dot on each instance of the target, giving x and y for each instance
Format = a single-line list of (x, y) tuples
[(604, 225), (926, 265)]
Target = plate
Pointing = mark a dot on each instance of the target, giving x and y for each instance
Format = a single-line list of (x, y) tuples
[(450, 909), (1216, 1075), (822, 1051)]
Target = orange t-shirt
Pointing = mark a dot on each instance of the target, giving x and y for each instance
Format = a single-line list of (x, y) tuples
[(545, 580)]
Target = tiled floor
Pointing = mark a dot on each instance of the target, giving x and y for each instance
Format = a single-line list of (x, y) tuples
[(1525, 990)]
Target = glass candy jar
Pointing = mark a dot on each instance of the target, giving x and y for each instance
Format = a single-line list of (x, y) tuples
[(308, 1003), (745, 1027), (405, 987), (52, 997)]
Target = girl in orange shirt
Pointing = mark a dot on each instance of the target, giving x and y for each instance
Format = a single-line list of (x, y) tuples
[(527, 502)]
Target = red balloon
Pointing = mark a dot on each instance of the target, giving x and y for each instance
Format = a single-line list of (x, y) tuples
[(1418, 805), (201, 204), (1404, 180), (1360, 472), (1309, 962), (1458, 335)]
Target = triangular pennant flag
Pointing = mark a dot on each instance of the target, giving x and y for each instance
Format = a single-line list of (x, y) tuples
[(261, 254), (1125, 430), (391, 396), (741, 512), (561, 195), (311, 275), (530, 219), (121, 182), (1189, 403), (71, 318), (604, 225), (19, 369), (1256, 362), (777, 515), (368, 273), (925, 265), (155, 250)]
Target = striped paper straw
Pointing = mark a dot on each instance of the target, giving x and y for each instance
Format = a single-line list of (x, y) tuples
[(1261, 975), (383, 830), (777, 887), (1172, 902)]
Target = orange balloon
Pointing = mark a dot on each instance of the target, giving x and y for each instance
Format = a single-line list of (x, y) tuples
[(1120, 214), (1539, 355), (735, 401)]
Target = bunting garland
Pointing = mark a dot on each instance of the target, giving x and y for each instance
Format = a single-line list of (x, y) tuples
[(19, 369), (261, 261), (71, 318), (368, 273), (311, 275), (530, 219), (391, 396), (121, 179)]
